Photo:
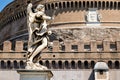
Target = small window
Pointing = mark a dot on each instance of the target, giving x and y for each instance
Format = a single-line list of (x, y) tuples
[(50, 48), (73, 65), (103, 4), (80, 4), (54, 64), (99, 47), (56, 4), (83, 4), (40, 62), (68, 4), (112, 47), (107, 4), (25, 47), (71, 4), (111, 5), (92, 4), (74, 47), (79, 64), (66, 63), (87, 47), (95, 4), (60, 64), (86, 65), (60, 5), (99, 4), (76, 4), (62, 47), (64, 5), (52, 6), (101, 72), (88, 4)]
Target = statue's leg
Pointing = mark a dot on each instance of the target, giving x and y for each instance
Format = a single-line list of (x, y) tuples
[(39, 48)]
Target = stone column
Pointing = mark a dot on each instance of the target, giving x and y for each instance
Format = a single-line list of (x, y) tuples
[(35, 74)]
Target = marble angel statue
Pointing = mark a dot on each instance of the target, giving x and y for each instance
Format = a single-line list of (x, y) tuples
[(38, 32)]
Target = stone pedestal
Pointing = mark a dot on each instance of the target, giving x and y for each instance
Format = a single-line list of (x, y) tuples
[(35, 74)]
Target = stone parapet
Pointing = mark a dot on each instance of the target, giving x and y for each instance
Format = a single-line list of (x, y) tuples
[(67, 46)]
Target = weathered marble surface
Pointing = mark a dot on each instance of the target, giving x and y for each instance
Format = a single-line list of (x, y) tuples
[(35, 74), (38, 31)]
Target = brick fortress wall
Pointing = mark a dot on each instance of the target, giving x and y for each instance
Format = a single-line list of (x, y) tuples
[(70, 13), (77, 55)]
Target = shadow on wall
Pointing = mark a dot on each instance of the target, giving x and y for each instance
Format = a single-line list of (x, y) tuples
[(91, 77)]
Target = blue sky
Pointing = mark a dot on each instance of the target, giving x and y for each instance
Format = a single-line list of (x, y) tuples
[(3, 3)]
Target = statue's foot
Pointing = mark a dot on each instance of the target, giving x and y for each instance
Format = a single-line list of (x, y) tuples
[(29, 65)]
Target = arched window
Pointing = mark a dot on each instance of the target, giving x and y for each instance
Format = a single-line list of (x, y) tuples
[(115, 5), (79, 64), (64, 6), (72, 5), (68, 4), (117, 64), (111, 5), (88, 4), (15, 65), (99, 4), (107, 4), (76, 4), (22, 65), (92, 5), (118, 5), (95, 4), (73, 65), (48, 6), (60, 5), (52, 6), (53, 64), (66, 63), (92, 64), (3, 65), (110, 64), (9, 66), (86, 65), (80, 4), (84, 4), (41, 62), (56, 4), (103, 5), (47, 64), (60, 64)]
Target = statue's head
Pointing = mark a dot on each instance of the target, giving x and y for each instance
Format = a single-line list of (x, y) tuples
[(40, 7)]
